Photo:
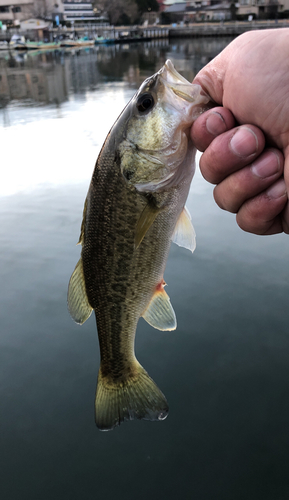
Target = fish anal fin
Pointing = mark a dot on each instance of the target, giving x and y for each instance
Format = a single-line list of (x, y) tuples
[(77, 300), (160, 313), (184, 234), (145, 221), (136, 397)]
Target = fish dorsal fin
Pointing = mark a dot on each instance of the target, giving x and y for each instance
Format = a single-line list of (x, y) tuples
[(184, 233), (145, 221), (77, 300), (81, 237), (160, 313)]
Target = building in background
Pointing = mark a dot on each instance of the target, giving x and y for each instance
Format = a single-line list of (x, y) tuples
[(216, 10), (12, 12), (82, 12)]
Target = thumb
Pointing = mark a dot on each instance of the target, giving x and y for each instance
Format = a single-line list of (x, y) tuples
[(211, 79)]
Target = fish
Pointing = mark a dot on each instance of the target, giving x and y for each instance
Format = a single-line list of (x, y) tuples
[(134, 209)]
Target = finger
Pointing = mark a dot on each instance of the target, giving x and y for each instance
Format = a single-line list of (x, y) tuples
[(231, 151), (210, 124), (211, 78), (250, 181), (262, 214)]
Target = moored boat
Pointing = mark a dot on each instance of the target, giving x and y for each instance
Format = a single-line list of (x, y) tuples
[(4, 45), (103, 39), (42, 45), (17, 42), (79, 42)]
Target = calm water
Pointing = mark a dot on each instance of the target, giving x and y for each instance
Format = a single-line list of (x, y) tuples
[(225, 370)]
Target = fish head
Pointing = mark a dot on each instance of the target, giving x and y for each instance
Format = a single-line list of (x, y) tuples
[(156, 151)]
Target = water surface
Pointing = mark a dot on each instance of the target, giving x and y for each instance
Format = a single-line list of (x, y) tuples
[(225, 369)]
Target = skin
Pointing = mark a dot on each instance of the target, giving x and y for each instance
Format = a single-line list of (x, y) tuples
[(246, 141)]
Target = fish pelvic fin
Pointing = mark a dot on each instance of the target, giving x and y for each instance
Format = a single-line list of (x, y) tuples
[(135, 397), (184, 233), (77, 300)]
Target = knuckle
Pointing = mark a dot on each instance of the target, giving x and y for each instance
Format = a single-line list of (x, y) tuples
[(258, 214), (228, 195), (210, 165)]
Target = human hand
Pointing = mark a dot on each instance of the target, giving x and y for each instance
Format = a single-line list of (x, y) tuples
[(249, 78)]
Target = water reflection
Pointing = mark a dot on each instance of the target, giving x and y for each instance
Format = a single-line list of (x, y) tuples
[(28, 79), (224, 371), (69, 99), (50, 77)]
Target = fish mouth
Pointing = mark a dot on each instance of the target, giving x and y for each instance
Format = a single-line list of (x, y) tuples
[(174, 74), (181, 87)]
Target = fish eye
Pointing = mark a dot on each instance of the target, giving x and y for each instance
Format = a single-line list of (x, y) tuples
[(145, 102)]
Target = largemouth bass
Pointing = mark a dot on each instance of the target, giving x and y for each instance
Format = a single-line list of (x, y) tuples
[(133, 211)]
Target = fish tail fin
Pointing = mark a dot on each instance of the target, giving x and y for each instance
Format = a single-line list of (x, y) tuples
[(136, 396)]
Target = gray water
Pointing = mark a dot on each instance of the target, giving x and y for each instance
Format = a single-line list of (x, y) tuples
[(224, 371)]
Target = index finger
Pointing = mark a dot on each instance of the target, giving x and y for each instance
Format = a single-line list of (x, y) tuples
[(209, 125), (230, 152)]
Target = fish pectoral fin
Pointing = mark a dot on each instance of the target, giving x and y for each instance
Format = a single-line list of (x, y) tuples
[(77, 300), (184, 234), (145, 221), (160, 313)]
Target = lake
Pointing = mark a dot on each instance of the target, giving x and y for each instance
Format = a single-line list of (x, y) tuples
[(224, 371)]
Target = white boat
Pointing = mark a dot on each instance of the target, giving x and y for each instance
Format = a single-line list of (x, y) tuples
[(17, 42)]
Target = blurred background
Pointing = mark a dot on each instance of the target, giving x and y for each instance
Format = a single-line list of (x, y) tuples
[(225, 369)]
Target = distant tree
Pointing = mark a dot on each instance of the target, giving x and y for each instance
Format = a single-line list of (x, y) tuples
[(145, 5), (272, 9), (118, 11), (41, 9), (233, 10)]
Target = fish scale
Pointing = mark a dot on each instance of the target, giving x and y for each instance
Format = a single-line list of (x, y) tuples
[(134, 207)]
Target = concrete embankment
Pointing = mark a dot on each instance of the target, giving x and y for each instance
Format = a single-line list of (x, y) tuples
[(234, 28)]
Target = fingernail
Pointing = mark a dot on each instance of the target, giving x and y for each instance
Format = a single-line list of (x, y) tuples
[(266, 166), (277, 190), (215, 124), (244, 142)]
